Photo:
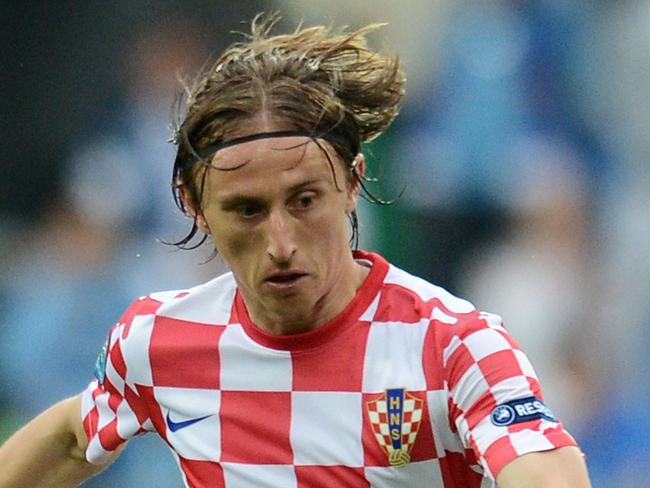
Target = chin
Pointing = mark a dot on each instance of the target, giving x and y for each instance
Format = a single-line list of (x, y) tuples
[(291, 309)]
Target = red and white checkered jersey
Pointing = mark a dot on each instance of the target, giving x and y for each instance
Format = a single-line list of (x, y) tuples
[(409, 386)]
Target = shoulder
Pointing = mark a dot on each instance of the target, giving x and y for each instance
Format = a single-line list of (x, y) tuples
[(399, 283), (201, 303), (208, 303), (411, 296), (451, 320), (129, 347)]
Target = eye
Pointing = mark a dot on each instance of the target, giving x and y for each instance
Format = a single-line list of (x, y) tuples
[(248, 210), (304, 201)]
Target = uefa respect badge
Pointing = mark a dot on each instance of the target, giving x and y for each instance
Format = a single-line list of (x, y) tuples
[(521, 410)]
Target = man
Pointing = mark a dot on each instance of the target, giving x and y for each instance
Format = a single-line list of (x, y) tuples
[(308, 365)]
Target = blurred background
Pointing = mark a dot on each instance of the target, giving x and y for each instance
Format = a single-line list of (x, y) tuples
[(523, 146)]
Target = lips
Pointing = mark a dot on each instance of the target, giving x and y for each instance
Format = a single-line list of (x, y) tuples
[(284, 279)]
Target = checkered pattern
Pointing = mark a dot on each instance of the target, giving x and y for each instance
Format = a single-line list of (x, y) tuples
[(243, 408)]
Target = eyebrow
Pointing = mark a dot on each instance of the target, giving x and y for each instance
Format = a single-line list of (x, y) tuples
[(238, 199)]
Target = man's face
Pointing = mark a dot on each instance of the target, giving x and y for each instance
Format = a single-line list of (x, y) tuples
[(277, 211)]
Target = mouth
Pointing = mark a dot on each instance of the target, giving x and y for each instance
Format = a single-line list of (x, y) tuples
[(284, 280)]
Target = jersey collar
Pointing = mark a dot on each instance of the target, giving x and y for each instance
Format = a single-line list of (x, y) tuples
[(321, 335)]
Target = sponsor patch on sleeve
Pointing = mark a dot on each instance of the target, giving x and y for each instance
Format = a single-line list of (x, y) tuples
[(521, 410), (100, 364)]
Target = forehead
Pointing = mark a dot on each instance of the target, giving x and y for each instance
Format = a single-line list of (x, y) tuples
[(271, 163)]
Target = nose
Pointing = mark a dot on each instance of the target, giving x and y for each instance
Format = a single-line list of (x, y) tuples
[(281, 244)]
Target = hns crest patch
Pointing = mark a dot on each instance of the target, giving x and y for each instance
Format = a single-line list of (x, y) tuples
[(100, 364), (522, 410), (395, 417)]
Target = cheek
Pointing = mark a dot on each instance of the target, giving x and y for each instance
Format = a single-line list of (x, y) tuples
[(328, 230), (234, 245)]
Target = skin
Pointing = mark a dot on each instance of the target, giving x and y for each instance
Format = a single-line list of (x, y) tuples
[(281, 213), (559, 468), (48, 452)]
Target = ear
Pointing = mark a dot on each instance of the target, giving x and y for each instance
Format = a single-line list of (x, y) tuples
[(193, 209), (358, 170)]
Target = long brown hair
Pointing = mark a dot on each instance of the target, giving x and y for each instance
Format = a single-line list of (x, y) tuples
[(314, 79)]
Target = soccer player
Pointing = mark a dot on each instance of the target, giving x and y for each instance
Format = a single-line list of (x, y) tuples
[(309, 364)]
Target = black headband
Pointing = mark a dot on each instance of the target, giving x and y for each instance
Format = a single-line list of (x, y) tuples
[(213, 148)]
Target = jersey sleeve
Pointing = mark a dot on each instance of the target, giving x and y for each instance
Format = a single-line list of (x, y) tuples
[(112, 408), (495, 397)]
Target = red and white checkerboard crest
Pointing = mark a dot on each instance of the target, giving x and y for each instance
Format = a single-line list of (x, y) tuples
[(395, 417)]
